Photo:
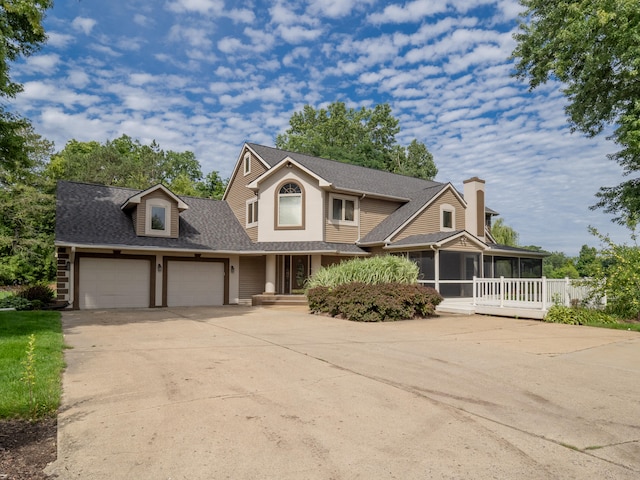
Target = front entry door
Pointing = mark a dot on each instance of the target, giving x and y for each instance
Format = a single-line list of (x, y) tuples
[(295, 271)]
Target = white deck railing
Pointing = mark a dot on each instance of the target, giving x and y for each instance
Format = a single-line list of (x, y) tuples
[(533, 293)]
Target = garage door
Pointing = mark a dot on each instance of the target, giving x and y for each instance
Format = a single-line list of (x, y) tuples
[(191, 284), (113, 283)]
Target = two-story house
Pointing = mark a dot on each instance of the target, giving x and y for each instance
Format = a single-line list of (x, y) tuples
[(283, 216)]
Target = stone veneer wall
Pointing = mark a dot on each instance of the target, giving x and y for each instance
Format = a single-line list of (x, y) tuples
[(62, 276)]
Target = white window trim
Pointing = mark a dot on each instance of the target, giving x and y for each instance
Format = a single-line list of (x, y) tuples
[(356, 209), (447, 208), (250, 204), (157, 202), (246, 164)]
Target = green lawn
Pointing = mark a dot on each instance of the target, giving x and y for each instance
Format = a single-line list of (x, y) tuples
[(618, 326), (15, 330)]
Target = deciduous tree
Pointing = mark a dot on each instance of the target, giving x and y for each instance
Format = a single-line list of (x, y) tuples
[(592, 47), (364, 136)]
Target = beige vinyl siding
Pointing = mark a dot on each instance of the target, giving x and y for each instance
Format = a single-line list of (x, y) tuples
[(142, 213), (373, 211), (253, 233), (238, 193), (428, 221), (252, 275), (377, 251), (340, 233), (463, 245), (328, 260)]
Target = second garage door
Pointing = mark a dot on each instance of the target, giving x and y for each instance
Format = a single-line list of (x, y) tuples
[(192, 284)]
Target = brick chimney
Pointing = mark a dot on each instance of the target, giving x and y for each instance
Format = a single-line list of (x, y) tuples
[(474, 214)]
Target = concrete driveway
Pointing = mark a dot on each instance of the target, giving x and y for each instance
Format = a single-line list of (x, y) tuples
[(244, 393)]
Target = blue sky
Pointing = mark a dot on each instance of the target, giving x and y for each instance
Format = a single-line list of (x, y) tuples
[(208, 75)]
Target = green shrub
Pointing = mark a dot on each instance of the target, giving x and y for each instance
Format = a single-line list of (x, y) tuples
[(13, 301), (381, 269), (379, 302), (38, 293), (578, 316)]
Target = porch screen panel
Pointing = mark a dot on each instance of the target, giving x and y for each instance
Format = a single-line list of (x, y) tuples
[(461, 266), (506, 267), (530, 268), (426, 264)]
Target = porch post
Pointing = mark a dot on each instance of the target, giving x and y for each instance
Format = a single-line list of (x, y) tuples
[(436, 264), (544, 293), (270, 275), (475, 284), (501, 292), (316, 263)]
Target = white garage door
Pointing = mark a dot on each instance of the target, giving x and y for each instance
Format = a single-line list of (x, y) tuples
[(191, 284), (113, 283)]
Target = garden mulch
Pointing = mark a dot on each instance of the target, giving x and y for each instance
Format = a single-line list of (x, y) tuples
[(26, 448)]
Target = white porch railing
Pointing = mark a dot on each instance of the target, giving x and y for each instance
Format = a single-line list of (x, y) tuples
[(532, 293)]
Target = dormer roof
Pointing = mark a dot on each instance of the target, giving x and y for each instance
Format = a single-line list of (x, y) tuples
[(137, 198)]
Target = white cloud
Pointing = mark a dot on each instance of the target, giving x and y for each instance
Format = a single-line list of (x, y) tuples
[(59, 40), (412, 12), (83, 24), (213, 8), (298, 34), (43, 64), (41, 91), (142, 20), (197, 6), (196, 37), (78, 79), (335, 8)]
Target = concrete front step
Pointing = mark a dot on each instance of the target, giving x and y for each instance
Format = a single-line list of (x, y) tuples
[(266, 300)]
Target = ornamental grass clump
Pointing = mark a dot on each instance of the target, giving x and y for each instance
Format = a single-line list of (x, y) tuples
[(374, 270)]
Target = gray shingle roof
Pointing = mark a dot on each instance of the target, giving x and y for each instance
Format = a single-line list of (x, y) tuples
[(345, 176), (402, 214), (89, 214)]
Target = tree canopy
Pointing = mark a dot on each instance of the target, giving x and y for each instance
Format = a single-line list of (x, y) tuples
[(592, 47), (503, 234), (125, 162), (364, 136), (21, 34)]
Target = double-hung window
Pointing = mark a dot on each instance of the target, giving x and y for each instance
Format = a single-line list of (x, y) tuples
[(342, 209), (252, 212)]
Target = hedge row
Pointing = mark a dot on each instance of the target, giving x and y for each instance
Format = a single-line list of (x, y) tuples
[(578, 316), (381, 302)]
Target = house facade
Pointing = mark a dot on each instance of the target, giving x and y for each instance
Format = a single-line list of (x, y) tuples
[(284, 215)]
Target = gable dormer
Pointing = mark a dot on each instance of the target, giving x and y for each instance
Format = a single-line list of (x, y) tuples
[(155, 212)]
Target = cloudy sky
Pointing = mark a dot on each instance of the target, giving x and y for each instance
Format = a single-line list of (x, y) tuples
[(208, 75)]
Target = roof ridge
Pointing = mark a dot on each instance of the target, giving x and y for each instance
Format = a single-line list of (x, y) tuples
[(345, 163)]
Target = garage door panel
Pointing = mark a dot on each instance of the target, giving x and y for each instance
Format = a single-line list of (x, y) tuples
[(113, 283), (191, 284)]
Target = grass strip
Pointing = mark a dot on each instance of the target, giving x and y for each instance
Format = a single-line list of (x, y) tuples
[(30, 375), (634, 327)]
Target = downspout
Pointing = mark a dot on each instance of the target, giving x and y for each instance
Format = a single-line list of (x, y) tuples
[(359, 217)]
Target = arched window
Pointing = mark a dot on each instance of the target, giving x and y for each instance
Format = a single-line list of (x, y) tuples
[(290, 205)]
